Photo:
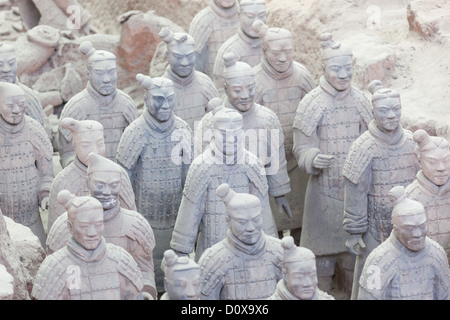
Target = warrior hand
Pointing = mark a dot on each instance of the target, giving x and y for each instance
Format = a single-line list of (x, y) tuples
[(355, 244), (323, 161), (283, 205)]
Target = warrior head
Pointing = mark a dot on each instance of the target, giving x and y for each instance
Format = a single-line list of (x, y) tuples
[(249, 12), (102, 68), (8, 63), (85, 218), (386, 106), (180, 51), (160, 97), (239, 82), (87, 137), (277, 44), (409, 220), (227, 131), (434, 155), (104, 180), (181, 277), (244, 216), (337, 62), (12, 103), (299, 269)]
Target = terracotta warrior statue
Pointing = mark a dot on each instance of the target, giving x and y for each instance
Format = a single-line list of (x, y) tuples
[(101, 100), (432, 186), (86, 136), (27, 169), (280, 85), (245, 43), (382, 157), (8, 73), (246, 264), (328, 120), (193, 89), (262, 129), (125, 228), (299, 272), (87, 268), (408, 265), (201, 217), (210, 28), (156, 151), (181, 277)]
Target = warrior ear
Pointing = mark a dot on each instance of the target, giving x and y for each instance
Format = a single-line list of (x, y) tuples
[(70, 124)]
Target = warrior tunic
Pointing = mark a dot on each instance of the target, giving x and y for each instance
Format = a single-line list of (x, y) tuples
[(327, 122), (436, 200), (114, 112), (26, 172), (282, 93), (392, 272), (245, 49), (192, 95), (124, 228), (210, 28), (202, 214), (108, 272), (232, 270)]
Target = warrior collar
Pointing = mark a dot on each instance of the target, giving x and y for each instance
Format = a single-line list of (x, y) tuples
[(274, 73), (111, 213), (251, 42), (224, 13), (11, 128), (157, 126), (179, 80), (251, 250), (430, 186), (102, 101), (86, 255), (389, 139), (327, 87)]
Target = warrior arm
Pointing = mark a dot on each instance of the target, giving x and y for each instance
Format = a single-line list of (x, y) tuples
[(356, 203), (305, 150)]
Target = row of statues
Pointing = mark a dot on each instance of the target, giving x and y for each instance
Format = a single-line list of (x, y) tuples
[(189, 198)]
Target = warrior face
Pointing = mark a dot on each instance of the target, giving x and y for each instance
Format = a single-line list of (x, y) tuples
[(183, 284), (249, 13), (160, 103), (246, 224), (8, 66), (411, 230), (85, 142), (279, 54), (387, 113), (338, 71), (301, 278), (241, 92), (105, 187), (103, 76), (435, 165), (225, 4), (12, 104), (181, 58), (87, 227)]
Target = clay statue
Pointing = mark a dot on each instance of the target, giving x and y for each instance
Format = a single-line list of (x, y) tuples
[(328, 120), (201, 217), (125, 228), (6, 284), (87, 136), (8, 73), (280, 85), (210, 28), (262, 129), (193, 89), (299, 274), (27, 170), (101, 100), (408, 265), (382, 157), (246, 264), (245, 43), (156, 151), (181, 277), (87, 268), (432, 186)]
